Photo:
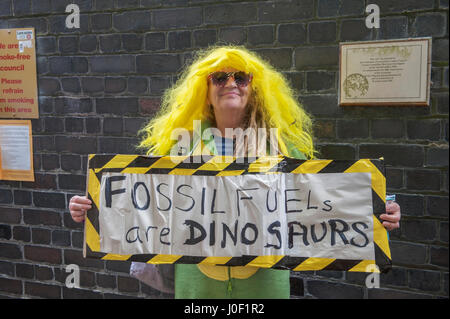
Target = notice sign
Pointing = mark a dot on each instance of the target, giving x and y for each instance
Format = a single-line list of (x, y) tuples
[(271, 212), (394, 72), (16, 150), (18, 81)]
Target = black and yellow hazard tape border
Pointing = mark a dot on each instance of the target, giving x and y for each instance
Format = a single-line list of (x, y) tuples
[(226, 166)]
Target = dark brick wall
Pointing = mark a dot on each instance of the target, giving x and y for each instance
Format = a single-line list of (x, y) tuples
[(100, 83)]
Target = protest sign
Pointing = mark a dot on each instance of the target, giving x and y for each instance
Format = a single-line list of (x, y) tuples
[(270, 212)]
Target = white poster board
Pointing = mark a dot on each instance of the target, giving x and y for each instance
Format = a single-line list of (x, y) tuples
[(283, 215)]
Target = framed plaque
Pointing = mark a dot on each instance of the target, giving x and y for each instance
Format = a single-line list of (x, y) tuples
[(391, 72)]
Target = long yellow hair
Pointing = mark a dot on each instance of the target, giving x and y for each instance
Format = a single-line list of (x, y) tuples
[(272, 95)]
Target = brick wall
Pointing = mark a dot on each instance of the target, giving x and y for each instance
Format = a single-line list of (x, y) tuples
[(100, 83)]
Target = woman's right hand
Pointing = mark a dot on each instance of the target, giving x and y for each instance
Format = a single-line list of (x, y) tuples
[(78, 205)]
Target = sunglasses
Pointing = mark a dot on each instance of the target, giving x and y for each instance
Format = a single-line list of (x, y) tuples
[(220, 78)]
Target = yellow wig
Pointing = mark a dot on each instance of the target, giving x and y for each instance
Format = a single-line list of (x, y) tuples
[(186, 101)]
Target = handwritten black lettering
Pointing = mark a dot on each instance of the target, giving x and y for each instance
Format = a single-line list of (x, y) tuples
[(293, 233), (213, 203), (148, 229), (222, 231), (134, 199), (271, 229), (108, 188), (203, 201), (244, 238), (246, 197), (164, 232), (309, 201), (267, 202), (179, 192), (193, 225), (286, 200), (326, 204), (334, 230), (212, 233), (135, 232), (158, 189), (356, 229), (226, 231), (333, 227), (313, 232)]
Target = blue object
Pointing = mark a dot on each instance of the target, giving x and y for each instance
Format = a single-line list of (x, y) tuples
[(390, 197)]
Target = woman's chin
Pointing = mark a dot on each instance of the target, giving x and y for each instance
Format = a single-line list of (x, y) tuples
[(232, 109), (232, 104)]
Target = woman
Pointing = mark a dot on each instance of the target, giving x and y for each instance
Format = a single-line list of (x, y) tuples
[(231, 87)]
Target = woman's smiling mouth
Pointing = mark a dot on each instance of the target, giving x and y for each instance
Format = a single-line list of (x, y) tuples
[(231, 93)]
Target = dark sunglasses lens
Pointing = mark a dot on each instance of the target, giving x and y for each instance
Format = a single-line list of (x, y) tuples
[(241, 78), (219, 78)]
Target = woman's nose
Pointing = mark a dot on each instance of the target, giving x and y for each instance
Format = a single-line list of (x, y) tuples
[(231, 82)]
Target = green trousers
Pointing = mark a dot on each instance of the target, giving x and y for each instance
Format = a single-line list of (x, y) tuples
[(191, 283)]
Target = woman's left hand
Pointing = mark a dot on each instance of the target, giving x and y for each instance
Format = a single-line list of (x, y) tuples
[(391, 220)]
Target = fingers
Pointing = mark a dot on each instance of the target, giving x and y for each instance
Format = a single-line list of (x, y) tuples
[(78, 205), (392, 207), (393, 214), (391, 220), (78, 219), (391, 226), (80, 200), (394, 218), (78, 216)]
